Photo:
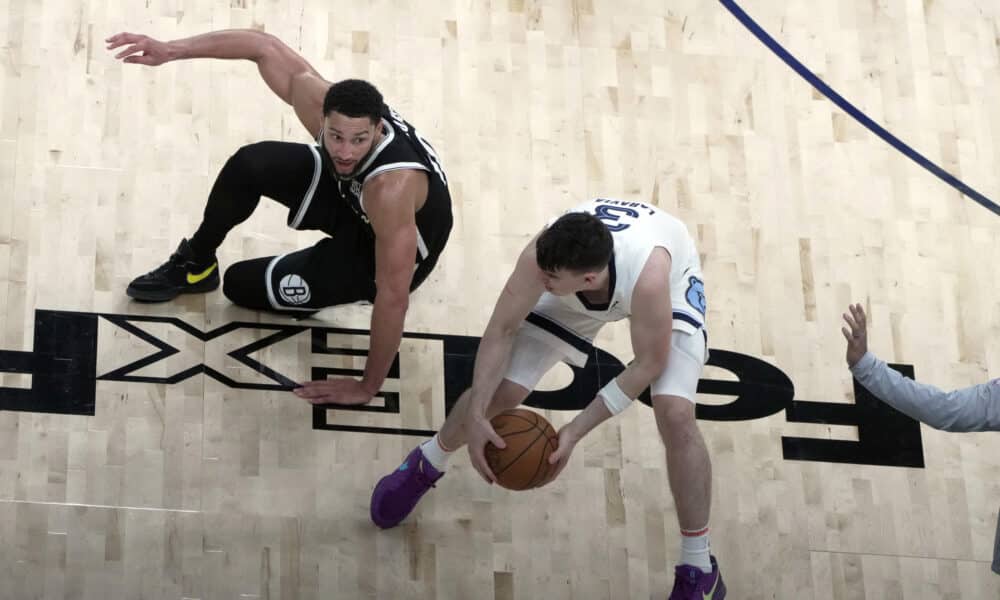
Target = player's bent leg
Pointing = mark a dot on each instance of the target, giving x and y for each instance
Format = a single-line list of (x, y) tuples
[(689, 471), (530, 360), (397, 494), (688, 465), (689, 468), (299, 283), (280, 170), (507, 396)]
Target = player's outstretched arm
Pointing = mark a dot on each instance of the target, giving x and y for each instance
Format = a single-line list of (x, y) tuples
[(975, 408), (520, 294), (286, 72)]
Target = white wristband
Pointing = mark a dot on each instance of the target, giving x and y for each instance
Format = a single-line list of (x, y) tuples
[(614, 398)]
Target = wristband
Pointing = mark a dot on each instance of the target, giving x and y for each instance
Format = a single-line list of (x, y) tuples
[(614, 398)]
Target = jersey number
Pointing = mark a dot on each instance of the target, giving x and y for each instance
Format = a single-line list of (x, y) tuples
[(432, 156), (611, 215)]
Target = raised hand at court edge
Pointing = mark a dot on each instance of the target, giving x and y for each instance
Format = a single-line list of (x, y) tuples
[(857, 335)]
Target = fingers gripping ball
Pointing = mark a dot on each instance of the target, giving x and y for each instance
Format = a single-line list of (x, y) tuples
[(530, 439)]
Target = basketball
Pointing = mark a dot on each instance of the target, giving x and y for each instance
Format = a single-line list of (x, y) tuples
[(530, 439)]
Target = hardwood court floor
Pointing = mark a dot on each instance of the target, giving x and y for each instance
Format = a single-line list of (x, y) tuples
[(197, 489)]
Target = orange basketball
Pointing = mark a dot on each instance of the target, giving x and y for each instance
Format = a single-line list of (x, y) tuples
[(530, 439)]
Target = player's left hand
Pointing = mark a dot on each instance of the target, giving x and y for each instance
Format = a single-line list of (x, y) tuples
[(857, 337), (343, 391), (568, 437)]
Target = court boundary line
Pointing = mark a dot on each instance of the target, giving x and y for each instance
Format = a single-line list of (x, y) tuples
[(853, 111)]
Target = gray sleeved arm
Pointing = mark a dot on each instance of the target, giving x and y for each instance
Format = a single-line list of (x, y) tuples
[(975, 408)]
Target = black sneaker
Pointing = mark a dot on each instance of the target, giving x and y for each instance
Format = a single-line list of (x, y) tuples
[(181, 274)]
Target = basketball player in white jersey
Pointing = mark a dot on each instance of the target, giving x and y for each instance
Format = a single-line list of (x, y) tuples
[(604, 261)]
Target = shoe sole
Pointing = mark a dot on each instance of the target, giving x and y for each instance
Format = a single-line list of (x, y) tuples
[(165, 295)]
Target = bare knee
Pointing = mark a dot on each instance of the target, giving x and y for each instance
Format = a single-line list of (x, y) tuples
[(675, 417), (507, 396)]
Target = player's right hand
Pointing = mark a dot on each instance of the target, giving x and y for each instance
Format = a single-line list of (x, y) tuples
[(480, 432), (140, 49)]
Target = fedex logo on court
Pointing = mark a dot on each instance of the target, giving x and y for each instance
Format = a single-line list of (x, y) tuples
[(73, 351)]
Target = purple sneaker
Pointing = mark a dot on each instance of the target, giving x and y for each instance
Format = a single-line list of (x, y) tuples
[(691, 583), (397, 493)]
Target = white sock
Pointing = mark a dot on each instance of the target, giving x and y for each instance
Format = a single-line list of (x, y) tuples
[(695, 550), (435, 453)]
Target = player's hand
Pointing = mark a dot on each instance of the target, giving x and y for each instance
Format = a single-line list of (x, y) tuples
[(479, 432), (343, 391), (857, 337), (140, 49), (568, 437)]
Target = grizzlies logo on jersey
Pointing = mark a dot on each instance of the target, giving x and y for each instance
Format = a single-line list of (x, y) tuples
[(696, 294)]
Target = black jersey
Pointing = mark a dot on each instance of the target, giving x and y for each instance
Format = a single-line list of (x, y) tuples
[(401, 147)]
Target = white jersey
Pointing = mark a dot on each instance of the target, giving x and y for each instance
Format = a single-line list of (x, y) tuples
[(571, 322)]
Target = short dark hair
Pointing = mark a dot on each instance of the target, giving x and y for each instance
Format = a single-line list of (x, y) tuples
[(354, 98), (577, 242)]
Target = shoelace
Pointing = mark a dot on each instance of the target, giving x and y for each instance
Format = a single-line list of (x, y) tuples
[(419, 479), (167, 265), (423, 480)]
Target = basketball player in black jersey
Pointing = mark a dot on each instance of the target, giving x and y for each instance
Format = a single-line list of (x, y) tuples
[(370, 182)]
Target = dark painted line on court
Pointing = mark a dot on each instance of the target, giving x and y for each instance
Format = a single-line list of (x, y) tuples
[(852, 110)]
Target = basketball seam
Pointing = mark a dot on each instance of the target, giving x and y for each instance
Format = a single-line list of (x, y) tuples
[(542, 460), (553, 441), (532, 425), (512, 434), (526, 448), (517, 416), (518, 431)]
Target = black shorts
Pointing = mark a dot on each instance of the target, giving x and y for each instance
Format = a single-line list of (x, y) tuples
[(339, 269)]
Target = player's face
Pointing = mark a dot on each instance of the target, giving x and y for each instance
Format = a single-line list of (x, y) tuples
[(348, 140), (562, 282)]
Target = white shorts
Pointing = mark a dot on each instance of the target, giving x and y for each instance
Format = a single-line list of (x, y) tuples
[(531, 358)]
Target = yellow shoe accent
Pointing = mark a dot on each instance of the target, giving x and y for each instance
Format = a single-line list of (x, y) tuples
[(193, 278), (711, 592)]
